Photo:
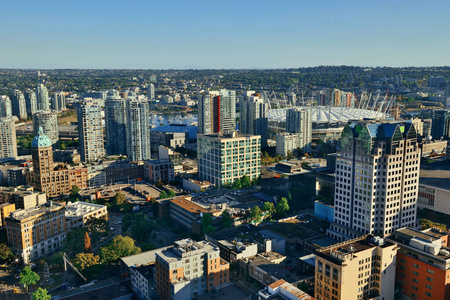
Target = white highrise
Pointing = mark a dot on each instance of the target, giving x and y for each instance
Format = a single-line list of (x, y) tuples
[(217, 112), (91, 126), (377, 179), (5, 107), (298, 120), (8, 142), (138, 130), (43, 102), (151, 91), (59, 101), (18, 104), (253, 117), (30, 101)]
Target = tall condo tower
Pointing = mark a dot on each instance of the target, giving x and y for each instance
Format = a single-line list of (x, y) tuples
[(90, 128), (138, 130), (43, 102), (115, 125), (298, 120), (253, 117)]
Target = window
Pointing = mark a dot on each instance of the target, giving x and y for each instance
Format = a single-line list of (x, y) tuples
[(430, 279), (430, 271), (428, 294), (429, 286)]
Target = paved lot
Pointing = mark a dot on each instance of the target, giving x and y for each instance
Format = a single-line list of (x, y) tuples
[(94, 292)]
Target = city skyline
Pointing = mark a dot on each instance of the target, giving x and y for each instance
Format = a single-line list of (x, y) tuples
[(214, 35)]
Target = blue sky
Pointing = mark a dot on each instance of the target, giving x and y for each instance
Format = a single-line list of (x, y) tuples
[(223, 34)]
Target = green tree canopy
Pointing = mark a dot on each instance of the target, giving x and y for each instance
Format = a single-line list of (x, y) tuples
[(5, 252), (86, 260), (237, 184), (119, 247), (41, 294), (171, 194), (245, 182), (163, 195), (74, 193), (28, 277), (282, 207), (268, 206), (256, 214), (206, 222), (226, 221), (119, 198)]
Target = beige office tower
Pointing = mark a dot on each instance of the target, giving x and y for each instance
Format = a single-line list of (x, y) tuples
[(377, 179), (362, 268), (8, 142)]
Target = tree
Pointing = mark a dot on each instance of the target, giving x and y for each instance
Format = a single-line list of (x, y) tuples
[(206, 222), (268, 206), (245, 181), (163, 195), (28, 277), (119, 198), (282, 207), (256, 214), (41, 294), (5, 252), (171, 194), (86, 260), (87, 243), (119, 247), (74, 193), (237, 184), (97, 225), (226, 221)]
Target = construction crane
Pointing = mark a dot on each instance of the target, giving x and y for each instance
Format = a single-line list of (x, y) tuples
[(67, 262)]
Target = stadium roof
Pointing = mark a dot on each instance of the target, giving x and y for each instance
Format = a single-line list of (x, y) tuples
[(323, 114)]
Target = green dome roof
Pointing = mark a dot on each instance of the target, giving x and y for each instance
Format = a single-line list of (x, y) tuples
[(41, 140)]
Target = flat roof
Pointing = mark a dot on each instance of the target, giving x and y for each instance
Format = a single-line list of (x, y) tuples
[(291, 289), (23, 214), (188, 205), (144, 258), (435, 174)]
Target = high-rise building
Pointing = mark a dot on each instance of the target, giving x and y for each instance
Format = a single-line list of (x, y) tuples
[(18, 104), (377, 179), (90, 128), (440, 124), (30, 101), (298, 120), (190, 268), (5, 107), (36, 232), (59, 101), (253, 117), (362, 268), (151, 91), (423, 263), (286, 142), (138, 130), (115, 125), (8, 141), (217, 112), (43, 102), (48, 120), (224, 158)]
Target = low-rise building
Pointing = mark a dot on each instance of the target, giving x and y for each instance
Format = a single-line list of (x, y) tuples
[(362, 268), (434, 187), (282, 289), (23, 197), (159, 170), (78, 213), (190, 268), (423, 263), (36, 232), (193, 185), (186, 212)]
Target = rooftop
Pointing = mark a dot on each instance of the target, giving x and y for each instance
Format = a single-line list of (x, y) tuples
[(288, 290), (230, 292), (23, 214), (77, 209), (188, 205), (436, 174), (143, 259)]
